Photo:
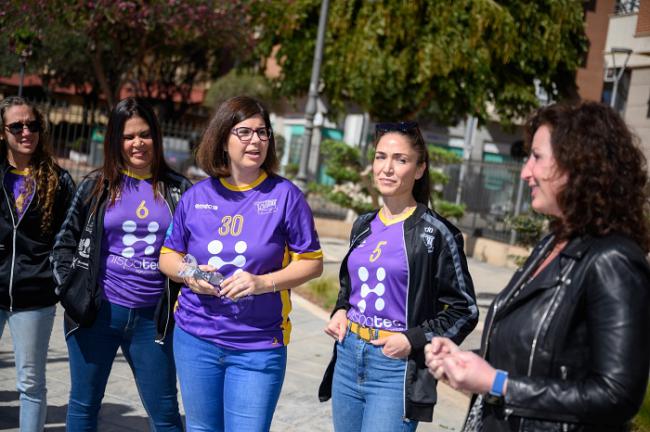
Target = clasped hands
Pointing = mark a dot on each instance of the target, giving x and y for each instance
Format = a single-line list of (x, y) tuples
[(239, 285), (461, 370)]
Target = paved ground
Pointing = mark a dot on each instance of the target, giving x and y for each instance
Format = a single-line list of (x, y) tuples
[(298, 409)]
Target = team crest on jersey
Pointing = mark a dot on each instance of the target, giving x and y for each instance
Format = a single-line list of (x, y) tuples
[(266, 206), (428, 242)]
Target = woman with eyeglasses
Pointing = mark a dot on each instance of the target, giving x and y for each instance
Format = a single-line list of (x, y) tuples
[(256, 229), (403, 281), (106, 262), (35, 195)]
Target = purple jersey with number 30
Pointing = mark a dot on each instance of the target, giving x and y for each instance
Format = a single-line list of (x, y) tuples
[(259, 229)]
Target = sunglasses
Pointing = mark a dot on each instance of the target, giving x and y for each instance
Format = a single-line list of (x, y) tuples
[(18, 127), (404, 127), (246, 133)]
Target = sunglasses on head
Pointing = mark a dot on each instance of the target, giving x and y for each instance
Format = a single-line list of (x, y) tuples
[(403, 127), (17, 128)]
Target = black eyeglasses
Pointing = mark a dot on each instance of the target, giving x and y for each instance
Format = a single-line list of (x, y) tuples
[(405, 127), (17, 127), (246, 133)]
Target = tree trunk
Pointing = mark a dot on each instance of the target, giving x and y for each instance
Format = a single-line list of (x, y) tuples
[(98, 68)]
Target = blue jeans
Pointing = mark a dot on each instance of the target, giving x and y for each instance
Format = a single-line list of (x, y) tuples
[(368, 389), (30, 332), (92, 351), (225, 389)]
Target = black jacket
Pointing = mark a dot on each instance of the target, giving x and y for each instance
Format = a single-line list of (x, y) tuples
[(77, 254), (26, 280), (441, 299), (576, 344)]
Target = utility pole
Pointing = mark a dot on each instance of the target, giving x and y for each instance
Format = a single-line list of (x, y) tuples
[(618, 74), (310, 110), (470, 130)]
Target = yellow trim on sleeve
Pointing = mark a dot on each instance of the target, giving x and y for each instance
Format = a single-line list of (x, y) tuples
[(399, 218), (165, 250), (243, 188), (306, 255), (24, 172)]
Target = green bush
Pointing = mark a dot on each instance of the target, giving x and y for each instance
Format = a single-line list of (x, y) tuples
[(322, 291)]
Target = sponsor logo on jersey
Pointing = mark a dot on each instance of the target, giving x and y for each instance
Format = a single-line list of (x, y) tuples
[(198, 206)]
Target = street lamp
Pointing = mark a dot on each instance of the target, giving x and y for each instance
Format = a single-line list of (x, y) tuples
[(310, 110), (617, 75)]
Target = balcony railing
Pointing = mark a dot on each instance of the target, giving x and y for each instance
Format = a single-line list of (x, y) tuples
[(626, 7)]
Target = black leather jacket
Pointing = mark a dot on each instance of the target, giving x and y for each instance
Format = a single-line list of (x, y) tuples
[(576, 341), (77, 250), (441, 299), (26, 280)]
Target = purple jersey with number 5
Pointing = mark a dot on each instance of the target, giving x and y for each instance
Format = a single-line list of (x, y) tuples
[(259, 229), (379, 276)]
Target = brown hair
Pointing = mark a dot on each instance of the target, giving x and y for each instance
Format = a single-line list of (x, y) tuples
[(42, 166), (607, 179), (114, 163), (211, 155)]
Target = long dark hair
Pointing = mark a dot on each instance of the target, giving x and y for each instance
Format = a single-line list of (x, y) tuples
[(114, 163), (42, 166), (606, 190), (411, 131), (211, 155)]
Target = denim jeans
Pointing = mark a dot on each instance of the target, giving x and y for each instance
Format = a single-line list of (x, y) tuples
[(30, 332), (227, 390), (92, 352), (368, 389)]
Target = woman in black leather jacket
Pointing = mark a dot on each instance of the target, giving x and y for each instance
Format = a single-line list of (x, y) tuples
[(566, 345)]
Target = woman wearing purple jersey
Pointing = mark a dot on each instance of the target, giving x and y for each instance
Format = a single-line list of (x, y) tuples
[(106, 262), (35, 195), (403, 281), (256, 229)]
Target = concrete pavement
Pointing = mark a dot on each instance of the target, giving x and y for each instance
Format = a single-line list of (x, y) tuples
[(298, 408)]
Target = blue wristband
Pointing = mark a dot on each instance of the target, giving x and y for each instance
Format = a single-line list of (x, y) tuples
[(499, 383)]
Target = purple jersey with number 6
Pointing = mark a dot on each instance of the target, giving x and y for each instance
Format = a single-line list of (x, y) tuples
[(259, 229), (134, 230)]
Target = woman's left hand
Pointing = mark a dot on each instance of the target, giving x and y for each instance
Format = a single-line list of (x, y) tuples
[(242, 284), (395, 346)]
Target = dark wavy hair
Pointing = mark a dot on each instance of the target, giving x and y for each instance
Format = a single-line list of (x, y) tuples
[(411, 131), (114, 162), (607, 179), (42, 166), (211, 155)]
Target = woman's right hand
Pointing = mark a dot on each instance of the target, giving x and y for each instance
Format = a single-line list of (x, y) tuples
[(200, 286), (434, 354), (337, 325)]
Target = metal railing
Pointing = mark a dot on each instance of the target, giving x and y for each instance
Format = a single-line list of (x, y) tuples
[(491, 191), (626, 7)]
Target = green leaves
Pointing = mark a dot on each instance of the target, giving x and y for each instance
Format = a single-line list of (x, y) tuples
[(437, 59)]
